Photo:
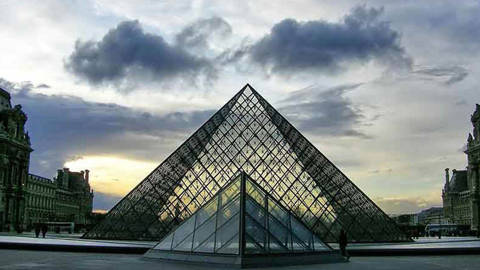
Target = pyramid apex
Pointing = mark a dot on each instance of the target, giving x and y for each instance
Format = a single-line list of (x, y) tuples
[(248, 87)]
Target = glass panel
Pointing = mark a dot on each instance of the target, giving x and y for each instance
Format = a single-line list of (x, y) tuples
[(251, 246), (278, 212), (230, 192), (166, 243), (255, 193), (230, 210), (254, 210), (255, 231), (302, 233), (231, 247), (183, 231), (206, 246), (276, 247), (297, 244), (225, 233), (185, 245), (204, 231), (280, 232), (205, 212), (319, 245)]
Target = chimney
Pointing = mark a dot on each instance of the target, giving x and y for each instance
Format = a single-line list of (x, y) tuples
[(447, 179), (87, 172), (66, 176), (59, 177)]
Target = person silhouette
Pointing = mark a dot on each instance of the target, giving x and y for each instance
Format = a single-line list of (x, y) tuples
[(44, 230), (37, 230), (343, 242)]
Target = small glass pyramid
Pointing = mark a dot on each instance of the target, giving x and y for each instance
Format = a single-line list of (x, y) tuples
[(214, 228), (241, 219)]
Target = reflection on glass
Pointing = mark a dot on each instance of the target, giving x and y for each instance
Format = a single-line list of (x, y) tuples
[(166, 243), (205, 212), (230, 247), (185, 245), (204, 231), (226, 232), (183, 231), (207, 246), (211, 229)]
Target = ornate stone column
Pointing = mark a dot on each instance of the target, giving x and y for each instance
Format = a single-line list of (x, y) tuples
[(476, 200)]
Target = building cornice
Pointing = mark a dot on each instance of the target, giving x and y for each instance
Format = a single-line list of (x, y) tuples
[(16, 143)]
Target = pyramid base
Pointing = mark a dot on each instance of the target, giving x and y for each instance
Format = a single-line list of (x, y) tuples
[(246, 261)]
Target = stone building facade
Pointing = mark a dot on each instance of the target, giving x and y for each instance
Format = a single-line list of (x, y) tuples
[(461, 193), (73, 196), (456, 198), (40, 202), (25, 198), (68, 197), (14, 163), (432, 215)]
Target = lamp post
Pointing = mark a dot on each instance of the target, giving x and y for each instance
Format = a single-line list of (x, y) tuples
[(440, 227)]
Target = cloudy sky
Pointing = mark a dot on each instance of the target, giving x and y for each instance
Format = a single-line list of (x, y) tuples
[(384, 89)]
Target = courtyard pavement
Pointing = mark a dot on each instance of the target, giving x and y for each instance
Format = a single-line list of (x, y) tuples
[(23, 259), (68, 242), (57, 242)]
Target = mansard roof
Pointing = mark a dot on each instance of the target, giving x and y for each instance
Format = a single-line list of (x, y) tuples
[(458, 182)]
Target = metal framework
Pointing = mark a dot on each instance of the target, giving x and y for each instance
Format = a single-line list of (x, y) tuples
[(247, 134)]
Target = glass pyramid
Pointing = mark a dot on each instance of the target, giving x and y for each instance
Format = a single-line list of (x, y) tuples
[(214, 228), (248, 134), (242, 209)]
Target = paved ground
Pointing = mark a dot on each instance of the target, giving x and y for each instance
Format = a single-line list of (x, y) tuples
[(72, 242), (421, 243), (64, 238), (57, 242), (74, 239), (22, 259), (49, 234)]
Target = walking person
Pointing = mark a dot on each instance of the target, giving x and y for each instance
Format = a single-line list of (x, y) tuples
[(37, 230), (343, 242), (44, 230)]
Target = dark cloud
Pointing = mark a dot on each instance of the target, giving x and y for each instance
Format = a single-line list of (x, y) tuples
[(127, 51), (325, 112), (43, 86), (63, 128), (447, 22), (448, 75), (233, 55), (199, 34), (319, 45)]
